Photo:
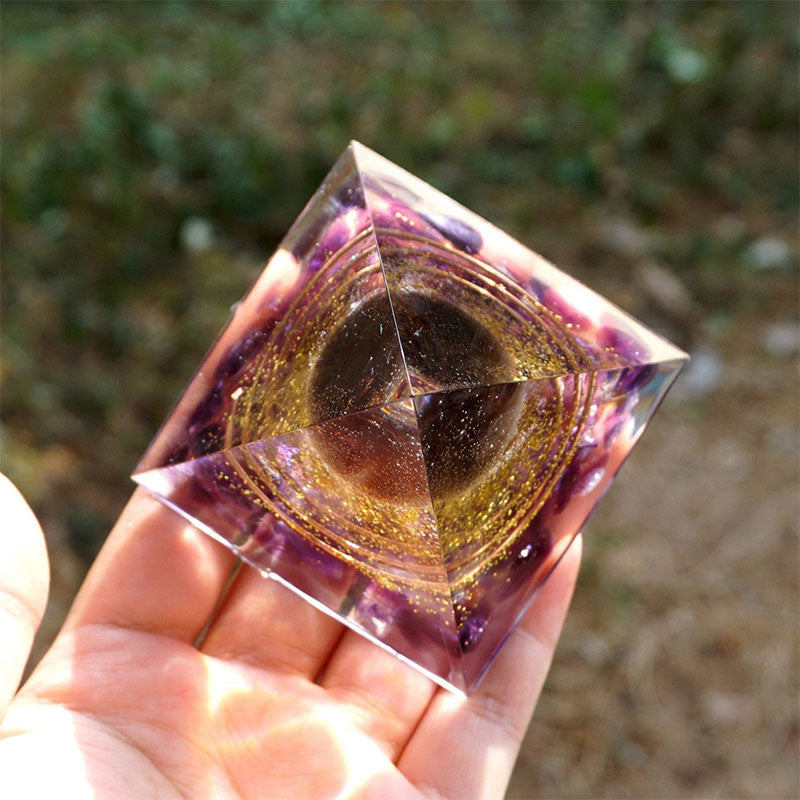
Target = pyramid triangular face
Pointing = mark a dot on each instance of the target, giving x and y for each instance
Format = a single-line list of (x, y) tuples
[(476, 308), (408, 418), (514, 470), (328, 509), (313, 339)]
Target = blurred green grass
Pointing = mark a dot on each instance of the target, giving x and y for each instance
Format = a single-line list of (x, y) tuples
[(153, 154), (123, 123)]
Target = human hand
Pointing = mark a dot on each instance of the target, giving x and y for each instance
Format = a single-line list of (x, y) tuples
[(279, 701)]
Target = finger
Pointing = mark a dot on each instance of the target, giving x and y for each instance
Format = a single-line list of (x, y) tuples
[(24, 579), (155, 573), (265, 624), (384, 697), (466, 747)]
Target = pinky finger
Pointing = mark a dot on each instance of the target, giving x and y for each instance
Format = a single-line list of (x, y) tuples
[(466, 747)]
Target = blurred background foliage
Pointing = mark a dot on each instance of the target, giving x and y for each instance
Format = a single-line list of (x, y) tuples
[(153, 154)]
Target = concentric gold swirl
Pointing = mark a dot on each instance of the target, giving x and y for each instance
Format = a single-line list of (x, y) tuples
[(358, 486)]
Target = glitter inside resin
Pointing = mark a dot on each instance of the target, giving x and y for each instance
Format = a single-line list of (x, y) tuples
[(408, 418)]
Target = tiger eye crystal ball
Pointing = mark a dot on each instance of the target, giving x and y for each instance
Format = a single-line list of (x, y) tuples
[(408, 418)]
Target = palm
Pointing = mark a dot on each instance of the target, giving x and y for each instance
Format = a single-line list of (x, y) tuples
[(276, 702), (190, 725)]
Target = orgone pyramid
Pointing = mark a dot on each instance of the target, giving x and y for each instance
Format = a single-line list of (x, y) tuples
[(408, 418)]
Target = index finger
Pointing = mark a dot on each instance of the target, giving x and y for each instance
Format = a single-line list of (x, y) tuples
[(156, 573)]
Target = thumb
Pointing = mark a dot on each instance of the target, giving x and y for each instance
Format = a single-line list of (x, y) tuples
[(24, 579)]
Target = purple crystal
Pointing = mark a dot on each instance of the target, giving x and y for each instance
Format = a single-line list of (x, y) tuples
[(462, 235), (408, 418)]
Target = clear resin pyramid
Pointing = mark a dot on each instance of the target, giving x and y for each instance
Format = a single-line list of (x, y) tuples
[(408, 418)]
